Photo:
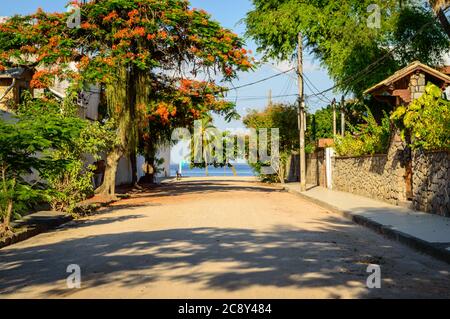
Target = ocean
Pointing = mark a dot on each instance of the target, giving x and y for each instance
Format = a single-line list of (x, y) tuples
[(241, 169)]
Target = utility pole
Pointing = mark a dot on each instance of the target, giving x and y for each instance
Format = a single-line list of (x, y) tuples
[(343, 116), (333, 103), (270, 97), (301, 114)]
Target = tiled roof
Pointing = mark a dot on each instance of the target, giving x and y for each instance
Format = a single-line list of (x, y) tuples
[(407, 71)]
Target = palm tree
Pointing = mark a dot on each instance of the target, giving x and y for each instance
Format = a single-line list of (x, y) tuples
[(208, 136)]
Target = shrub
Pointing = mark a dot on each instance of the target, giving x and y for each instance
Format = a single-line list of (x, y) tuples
[(426, 120), (367, 139), (27, 146)]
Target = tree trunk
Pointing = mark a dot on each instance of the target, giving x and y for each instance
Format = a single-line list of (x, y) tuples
[(119, 110), (108, 188), (150, 159), (134, 173), (444, 22), (5, 229), (438, 7), (206, 163), (132, 79)]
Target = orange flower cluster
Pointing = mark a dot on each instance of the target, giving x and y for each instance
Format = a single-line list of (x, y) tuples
[(41, 79), (163, 112), (111, 16), (195, 113), (54, 41), (28, 49), (185, 85), (108, 61), (228, 71), (138, 32), (162, 34), (134, 16), (246, 63), (123, 33), (83, 63), (88, 26)]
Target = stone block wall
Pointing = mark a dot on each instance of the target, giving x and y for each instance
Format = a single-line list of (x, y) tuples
[(431, 182), (315, 174), (380, 177), (417, 85)]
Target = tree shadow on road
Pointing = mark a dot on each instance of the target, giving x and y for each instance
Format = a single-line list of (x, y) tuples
[(280, 257), (205, 187)]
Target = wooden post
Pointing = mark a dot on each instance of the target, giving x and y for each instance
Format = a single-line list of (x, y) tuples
[(333, 103), (270, 97), (343, 116), (301, 114)]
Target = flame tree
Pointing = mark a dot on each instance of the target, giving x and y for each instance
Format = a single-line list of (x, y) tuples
[(143, 52)]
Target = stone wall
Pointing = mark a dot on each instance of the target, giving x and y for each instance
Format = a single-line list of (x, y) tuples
[(417, 85), (315, 174), (380, 177), (431, 182)]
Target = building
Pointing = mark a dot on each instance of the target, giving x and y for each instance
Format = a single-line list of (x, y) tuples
[(408, 84), (13, 82)]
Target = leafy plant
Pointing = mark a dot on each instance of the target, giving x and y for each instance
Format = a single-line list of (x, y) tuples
[(366, 139), (123, 45), (27, 146), (283, 117), (426, 120), (73, 183), (340, 37)]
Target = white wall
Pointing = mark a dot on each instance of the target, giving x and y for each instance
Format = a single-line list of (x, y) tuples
[(164, 153)]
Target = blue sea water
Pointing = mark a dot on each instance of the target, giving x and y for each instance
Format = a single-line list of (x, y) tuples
[(241, 169)]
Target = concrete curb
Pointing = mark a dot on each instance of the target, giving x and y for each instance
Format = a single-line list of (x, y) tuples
[(401, 237), (33, 230)]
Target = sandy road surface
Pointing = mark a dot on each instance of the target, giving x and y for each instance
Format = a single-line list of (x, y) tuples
[(217, 239)]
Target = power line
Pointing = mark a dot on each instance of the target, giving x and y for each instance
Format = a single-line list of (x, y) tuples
[(372, 67), (259, 81), (252, 98), (307, 80)]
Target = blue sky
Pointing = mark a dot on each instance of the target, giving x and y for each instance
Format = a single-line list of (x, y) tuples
[(228, 13)]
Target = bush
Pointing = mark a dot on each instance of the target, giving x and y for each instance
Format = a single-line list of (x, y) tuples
[(367, 139), (27, 146), (426, 120), (73, 183)]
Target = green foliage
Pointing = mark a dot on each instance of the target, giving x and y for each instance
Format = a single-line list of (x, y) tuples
[(73, 182), (279, 116), (427, 120), (338, 34), (322, 123), (283, 117), (27, 146), (366, 139)]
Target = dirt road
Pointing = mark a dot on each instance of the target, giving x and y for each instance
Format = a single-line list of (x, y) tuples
[(217, 239)]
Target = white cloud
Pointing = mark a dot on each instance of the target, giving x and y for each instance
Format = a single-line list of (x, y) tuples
[(283, 66)]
